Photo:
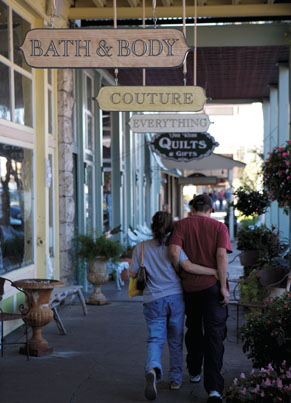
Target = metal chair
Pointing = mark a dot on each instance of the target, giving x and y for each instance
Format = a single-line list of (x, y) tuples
[(5, 316)]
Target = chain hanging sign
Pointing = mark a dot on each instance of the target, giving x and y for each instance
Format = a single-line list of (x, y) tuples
[(151, 98), (161, 123), (104, 48), (183, 146)]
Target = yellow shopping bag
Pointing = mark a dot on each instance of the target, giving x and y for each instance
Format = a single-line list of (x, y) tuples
[(132, 290)]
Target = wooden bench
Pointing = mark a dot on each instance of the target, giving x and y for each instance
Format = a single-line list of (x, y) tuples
[(59, 295)]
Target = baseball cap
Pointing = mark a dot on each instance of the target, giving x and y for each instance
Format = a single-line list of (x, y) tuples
[(202, 200)]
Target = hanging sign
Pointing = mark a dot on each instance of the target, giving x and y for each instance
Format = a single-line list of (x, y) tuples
[(183, 146), (143, 99), (161, 123), (104, 48)]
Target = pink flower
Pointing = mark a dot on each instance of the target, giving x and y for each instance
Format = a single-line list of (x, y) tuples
[(289, 141), (279, 383), (267, 382), (262, 394), (243, 391), (287, 163), (242, 375)]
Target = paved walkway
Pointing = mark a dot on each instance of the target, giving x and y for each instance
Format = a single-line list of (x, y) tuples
[(101, 359)]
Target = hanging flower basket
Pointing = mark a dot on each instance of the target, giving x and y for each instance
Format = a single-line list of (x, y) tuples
[(277, 175)]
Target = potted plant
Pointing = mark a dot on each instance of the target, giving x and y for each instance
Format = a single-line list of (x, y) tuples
[(250, 202), (267, 385), (126, 257), (96, 251), (257, 244), (266, 335)]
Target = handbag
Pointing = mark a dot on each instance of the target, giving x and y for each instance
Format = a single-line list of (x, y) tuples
[(141, 277), (133, 291)]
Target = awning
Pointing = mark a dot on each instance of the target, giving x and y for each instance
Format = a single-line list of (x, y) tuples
[(210, 163)]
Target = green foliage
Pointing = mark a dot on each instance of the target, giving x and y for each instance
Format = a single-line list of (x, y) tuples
[(89, 248), (268, 385), (251, 202), (251, 289), (266, 336), (260, 238)]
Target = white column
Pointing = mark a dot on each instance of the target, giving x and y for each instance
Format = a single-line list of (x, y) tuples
[(231, 216), (283, 130), (274, 142), (116, 171)]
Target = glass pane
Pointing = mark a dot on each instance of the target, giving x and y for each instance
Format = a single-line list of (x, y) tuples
[(16, 212), (23, 100), (20, 27), (50, 76), (5, 99), (51, 210), (4, 18), (89, 199), (50, 112), (89, 133), (107, 205), (89, 93)]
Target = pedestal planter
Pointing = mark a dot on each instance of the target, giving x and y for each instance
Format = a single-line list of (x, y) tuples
[(97, 276), (38, 292)]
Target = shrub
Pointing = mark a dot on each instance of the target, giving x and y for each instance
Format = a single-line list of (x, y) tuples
[(266, 336)]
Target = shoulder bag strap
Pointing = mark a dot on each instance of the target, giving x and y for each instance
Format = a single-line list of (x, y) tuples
[(142, 252)]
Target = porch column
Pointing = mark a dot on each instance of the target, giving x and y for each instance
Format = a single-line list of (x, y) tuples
[(231, 217), (283, 129), (267, 147), (274, 142)]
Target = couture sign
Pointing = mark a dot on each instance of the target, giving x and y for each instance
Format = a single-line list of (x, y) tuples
[(183, 146), (104, 48), (151, 98), (161, 123)]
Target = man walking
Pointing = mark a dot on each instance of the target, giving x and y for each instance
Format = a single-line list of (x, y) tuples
[(206, 242)]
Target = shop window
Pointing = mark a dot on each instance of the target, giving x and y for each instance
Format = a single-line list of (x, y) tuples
[(15, 75), (16, 210), (20, 27), (107, 201), (23, 100), (4, 18), (51, 205), (89, 213), (5, 99), (89, 113)]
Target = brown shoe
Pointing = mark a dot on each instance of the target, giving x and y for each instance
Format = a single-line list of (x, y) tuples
[(175, 386)]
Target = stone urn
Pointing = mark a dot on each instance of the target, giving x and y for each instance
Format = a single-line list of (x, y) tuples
[(38, 292), (97, 276)]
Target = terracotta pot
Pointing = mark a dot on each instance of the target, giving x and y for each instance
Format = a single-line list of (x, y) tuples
[(97, 276), (38, 292), (249, 257)]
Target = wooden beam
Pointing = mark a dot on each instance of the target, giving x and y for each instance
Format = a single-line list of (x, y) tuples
[(241, 10)]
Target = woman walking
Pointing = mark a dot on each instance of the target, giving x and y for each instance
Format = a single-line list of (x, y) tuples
[(163, 305)]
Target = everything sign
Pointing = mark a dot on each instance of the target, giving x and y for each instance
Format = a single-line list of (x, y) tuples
[(104, 48), (183, 146), (161, 123)]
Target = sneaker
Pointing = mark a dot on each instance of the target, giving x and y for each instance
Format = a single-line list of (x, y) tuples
[(195, 378), (150, 391), (175, 386), (214, 397)]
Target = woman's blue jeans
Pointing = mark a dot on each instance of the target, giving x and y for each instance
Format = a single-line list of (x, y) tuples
[(165, 320)]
